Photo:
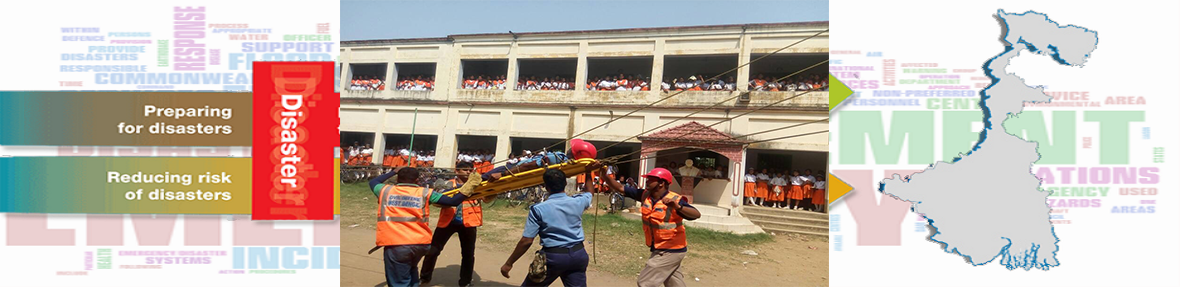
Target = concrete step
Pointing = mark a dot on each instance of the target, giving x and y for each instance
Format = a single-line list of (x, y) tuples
[(782, 212), (791, 219), (722, 219), (712, 210), (782, 231), (791, 226), (736, 228)]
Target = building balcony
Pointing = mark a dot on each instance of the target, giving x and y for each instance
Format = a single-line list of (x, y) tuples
[(394, 95), (688, 99)]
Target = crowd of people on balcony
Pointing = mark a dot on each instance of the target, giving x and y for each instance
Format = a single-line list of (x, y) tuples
[(367, 83), (395, 156), (797, 83), (621, 82), (698, 83), (481, 160), (485, 83), (532, 83), (416, 83), (399, 156)]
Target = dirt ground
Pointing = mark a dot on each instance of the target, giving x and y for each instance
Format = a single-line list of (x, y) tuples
[(784, 260)]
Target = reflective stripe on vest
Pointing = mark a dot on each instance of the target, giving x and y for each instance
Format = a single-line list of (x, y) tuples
[(666, 230), (403, 222), (472, 213)]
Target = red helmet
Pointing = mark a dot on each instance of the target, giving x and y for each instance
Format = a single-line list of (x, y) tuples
[(660, 173), (583, 149)]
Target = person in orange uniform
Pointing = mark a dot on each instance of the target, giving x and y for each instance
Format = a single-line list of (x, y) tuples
[(663, 218), (808, 185), (751, 190), (819, 193), (796, 194), (762, 187), (464, 221), (402, 230)]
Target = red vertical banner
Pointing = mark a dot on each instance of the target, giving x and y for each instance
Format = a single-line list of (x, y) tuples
[(296, 122)]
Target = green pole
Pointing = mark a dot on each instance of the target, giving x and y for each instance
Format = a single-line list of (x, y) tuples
[(412, 130)]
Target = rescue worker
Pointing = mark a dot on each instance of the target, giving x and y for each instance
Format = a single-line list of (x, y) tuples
[(463, 221), (402, 229), (558, 221), (663, 218)]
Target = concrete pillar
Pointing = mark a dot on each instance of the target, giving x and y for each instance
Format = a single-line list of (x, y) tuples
[(345, 82), (378, 148), (379, 139), (571, 127), (657, 71), (438, 148), (446, 147), (503, 146), (390, 75), (447, 73), (580, 77), (513, 68), (737, 171), (743, 74), (503, 141)]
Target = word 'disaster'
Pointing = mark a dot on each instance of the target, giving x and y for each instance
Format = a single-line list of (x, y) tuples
[(295, 120)]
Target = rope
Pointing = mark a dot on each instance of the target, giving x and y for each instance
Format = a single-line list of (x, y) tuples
[(726, 120), (709, 107), (742, 143)]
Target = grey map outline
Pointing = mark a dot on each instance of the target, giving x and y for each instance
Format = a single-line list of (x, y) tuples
[(986, 217)]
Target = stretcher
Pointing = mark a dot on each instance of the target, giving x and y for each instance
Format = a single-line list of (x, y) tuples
[(525, 179)]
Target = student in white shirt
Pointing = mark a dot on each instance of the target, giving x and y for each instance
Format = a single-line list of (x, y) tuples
[(819, 198), (795, 196), (808, 185), (778, 191), (751, 190), (763, 187)]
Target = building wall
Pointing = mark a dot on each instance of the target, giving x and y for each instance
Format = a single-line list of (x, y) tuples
[(448, 111)]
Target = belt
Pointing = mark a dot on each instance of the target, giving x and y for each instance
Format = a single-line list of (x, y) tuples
[(575, 248)]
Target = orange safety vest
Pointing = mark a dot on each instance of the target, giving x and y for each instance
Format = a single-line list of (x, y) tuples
[(472, 213), (402, 215), (663, 228)]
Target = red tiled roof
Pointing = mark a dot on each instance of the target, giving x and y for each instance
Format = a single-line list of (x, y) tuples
[(692, 131)]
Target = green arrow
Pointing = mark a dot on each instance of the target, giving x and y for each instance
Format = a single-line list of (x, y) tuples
[(837, 92)]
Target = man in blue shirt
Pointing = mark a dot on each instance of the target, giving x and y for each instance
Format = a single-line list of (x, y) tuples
[(558, 221)]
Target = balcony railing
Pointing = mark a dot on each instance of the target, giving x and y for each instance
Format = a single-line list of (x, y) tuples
[(811, 101)]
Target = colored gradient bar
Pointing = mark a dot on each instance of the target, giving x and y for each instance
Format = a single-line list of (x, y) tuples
[(93, 118), (80, 185)]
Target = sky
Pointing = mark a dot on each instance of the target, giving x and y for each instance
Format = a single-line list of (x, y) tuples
[(396, 19)]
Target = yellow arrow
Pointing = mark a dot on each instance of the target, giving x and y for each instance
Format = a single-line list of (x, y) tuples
[(836, 188), (837, 92)]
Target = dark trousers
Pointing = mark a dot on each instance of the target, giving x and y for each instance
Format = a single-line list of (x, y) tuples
[(570, 267), (401, 264), (466, 242), (502, 170)]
